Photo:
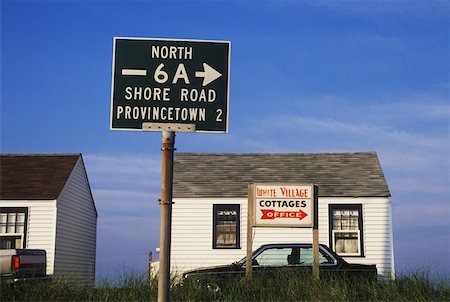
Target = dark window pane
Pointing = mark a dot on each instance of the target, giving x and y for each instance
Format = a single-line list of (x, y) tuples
[(12, 227), (226, 226)]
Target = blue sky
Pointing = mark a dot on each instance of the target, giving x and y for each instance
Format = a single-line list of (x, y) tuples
[(306, 76)]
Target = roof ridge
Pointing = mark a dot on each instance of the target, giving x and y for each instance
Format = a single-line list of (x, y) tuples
[(276, 153), (40, 154)]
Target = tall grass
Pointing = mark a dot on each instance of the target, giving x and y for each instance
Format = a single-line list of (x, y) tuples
[(285, 286)]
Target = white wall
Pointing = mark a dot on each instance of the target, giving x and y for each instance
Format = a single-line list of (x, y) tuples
[(41, 226), (192, 224), (192, 234), (377, 226), (76, 228)]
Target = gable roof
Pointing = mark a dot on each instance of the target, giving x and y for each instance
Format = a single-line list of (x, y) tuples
[(34, 176), (227, 175)]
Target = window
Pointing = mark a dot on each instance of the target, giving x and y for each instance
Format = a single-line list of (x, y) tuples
[(346, 229), (291, 256), (226, 226), (273, 257), (13, 225), (306, 257)]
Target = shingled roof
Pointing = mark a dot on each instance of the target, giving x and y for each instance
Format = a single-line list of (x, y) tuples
[(203, 175), (35, 176)]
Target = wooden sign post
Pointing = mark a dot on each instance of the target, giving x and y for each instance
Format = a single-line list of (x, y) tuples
[(250, 218)]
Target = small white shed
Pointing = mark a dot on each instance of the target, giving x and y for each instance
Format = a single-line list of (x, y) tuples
[(46, 203), (209, 225)]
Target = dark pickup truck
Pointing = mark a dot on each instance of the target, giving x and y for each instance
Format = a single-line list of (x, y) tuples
[(297, 257), (22, 264)]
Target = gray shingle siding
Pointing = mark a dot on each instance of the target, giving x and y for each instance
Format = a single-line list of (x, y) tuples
[(222, 175)]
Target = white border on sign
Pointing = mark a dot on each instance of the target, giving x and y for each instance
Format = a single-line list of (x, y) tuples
[(167, 39)]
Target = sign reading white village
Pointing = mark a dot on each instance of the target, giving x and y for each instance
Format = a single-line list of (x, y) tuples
[(162, 81), (280, 205)]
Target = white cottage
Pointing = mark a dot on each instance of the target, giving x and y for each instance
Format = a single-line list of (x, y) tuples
[(46, 203), (209, 225)]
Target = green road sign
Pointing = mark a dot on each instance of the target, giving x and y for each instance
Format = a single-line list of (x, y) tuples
[(161, 82)]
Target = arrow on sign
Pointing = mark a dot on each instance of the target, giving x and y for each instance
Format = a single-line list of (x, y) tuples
[(134, 72), (208, 74), (272, 214)]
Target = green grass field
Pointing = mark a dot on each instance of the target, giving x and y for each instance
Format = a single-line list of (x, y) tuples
[(283, 287)]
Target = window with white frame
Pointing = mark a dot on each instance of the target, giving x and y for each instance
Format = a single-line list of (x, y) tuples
[(346, 229), (13, 227), (226, 226)]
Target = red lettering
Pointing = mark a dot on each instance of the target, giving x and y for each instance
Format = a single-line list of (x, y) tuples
[(294, 193), (265, 192)]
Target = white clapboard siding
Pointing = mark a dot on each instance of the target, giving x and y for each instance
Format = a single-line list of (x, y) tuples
[(76, 228), (40, 226), (378, 243), (377, 236), (192, 231), (192, 226)]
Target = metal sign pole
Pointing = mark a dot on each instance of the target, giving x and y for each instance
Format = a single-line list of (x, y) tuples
[(168, 143)]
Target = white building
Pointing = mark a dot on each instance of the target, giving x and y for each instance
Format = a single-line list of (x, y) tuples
[(46, 203), (209, 225)]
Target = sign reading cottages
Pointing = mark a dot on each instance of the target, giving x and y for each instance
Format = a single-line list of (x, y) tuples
[(162, 81), (280, 205)]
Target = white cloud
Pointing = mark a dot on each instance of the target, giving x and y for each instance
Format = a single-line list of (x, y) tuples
[(426, 213), (125, 200), (379, 109), (107, 171), (414, 159), (360, 131), (131, 165)]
